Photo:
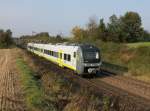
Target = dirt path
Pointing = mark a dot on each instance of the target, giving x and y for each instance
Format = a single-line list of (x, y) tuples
[(11, 98)]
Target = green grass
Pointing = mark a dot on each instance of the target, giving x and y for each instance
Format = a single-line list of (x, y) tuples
[(31, 87), (137, 45)]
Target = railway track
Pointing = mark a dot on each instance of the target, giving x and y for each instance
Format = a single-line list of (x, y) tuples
[(105, 84), (104, 88), (126, 83)]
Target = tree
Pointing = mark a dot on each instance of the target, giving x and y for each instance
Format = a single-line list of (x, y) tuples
[(131, 23), (146, 36), (5, 38), (115, 29), (58, 37), (127, 28), (102, 30), (8, 36), (92, 28), (42, 34), (78, 33)]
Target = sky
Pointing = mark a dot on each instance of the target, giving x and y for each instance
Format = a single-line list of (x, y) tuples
[(60, 16)]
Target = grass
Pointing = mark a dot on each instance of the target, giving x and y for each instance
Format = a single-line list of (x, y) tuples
[(136, 59), (137, 45), (31, 87), (106, 103), (44, 94)]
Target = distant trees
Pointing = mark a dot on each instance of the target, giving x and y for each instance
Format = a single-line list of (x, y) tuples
[(79, 33), (127, 28), (5, 38), (42, 37), (43, 34)]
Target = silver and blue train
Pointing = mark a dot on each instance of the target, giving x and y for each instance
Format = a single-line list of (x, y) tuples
[(82, 58)]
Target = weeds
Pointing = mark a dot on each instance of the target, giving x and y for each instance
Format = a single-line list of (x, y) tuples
[(34, 94), (106, 103)]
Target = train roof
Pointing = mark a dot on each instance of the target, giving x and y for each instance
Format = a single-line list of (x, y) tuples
[(69, 45), (65, 44)]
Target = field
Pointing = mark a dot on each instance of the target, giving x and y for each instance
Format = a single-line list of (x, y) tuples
[(11, 96)]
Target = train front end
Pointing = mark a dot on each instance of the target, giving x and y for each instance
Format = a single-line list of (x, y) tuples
[(90, 59)]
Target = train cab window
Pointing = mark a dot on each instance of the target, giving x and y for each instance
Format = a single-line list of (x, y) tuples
[(74, 54)]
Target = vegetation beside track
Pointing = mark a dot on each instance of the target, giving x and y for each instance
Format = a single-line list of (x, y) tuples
[(64, 91), (137, 45), (135, 57), (31, 86), (55, 92)]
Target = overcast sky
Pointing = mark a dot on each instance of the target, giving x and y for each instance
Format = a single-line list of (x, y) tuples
[(59, 16)]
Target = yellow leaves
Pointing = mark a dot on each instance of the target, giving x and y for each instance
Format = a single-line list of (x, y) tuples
[(77, 33)]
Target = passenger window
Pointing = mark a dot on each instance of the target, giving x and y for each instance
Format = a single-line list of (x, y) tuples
[(69, 57), (57, 54), (65, 56), (74, 55)]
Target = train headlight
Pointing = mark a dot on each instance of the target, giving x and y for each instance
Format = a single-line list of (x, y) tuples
[(97, 55)]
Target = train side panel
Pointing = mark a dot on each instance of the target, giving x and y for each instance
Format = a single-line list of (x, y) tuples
[(61, 51)]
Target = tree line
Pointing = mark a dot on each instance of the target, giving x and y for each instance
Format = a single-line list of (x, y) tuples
[(43, 36), (124, 29), (5, 38)]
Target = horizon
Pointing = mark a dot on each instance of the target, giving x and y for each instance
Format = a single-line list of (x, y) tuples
[(59, 17)]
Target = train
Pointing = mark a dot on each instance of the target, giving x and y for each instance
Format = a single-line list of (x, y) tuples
[(81, 58)]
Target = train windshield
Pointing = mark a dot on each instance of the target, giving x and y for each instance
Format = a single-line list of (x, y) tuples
[(91, 56)]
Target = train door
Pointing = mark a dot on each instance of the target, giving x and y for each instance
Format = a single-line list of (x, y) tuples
[(60, 58), (79, 62), (74, 60)]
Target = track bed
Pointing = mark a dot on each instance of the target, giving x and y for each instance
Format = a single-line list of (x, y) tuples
[(131, 85)]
